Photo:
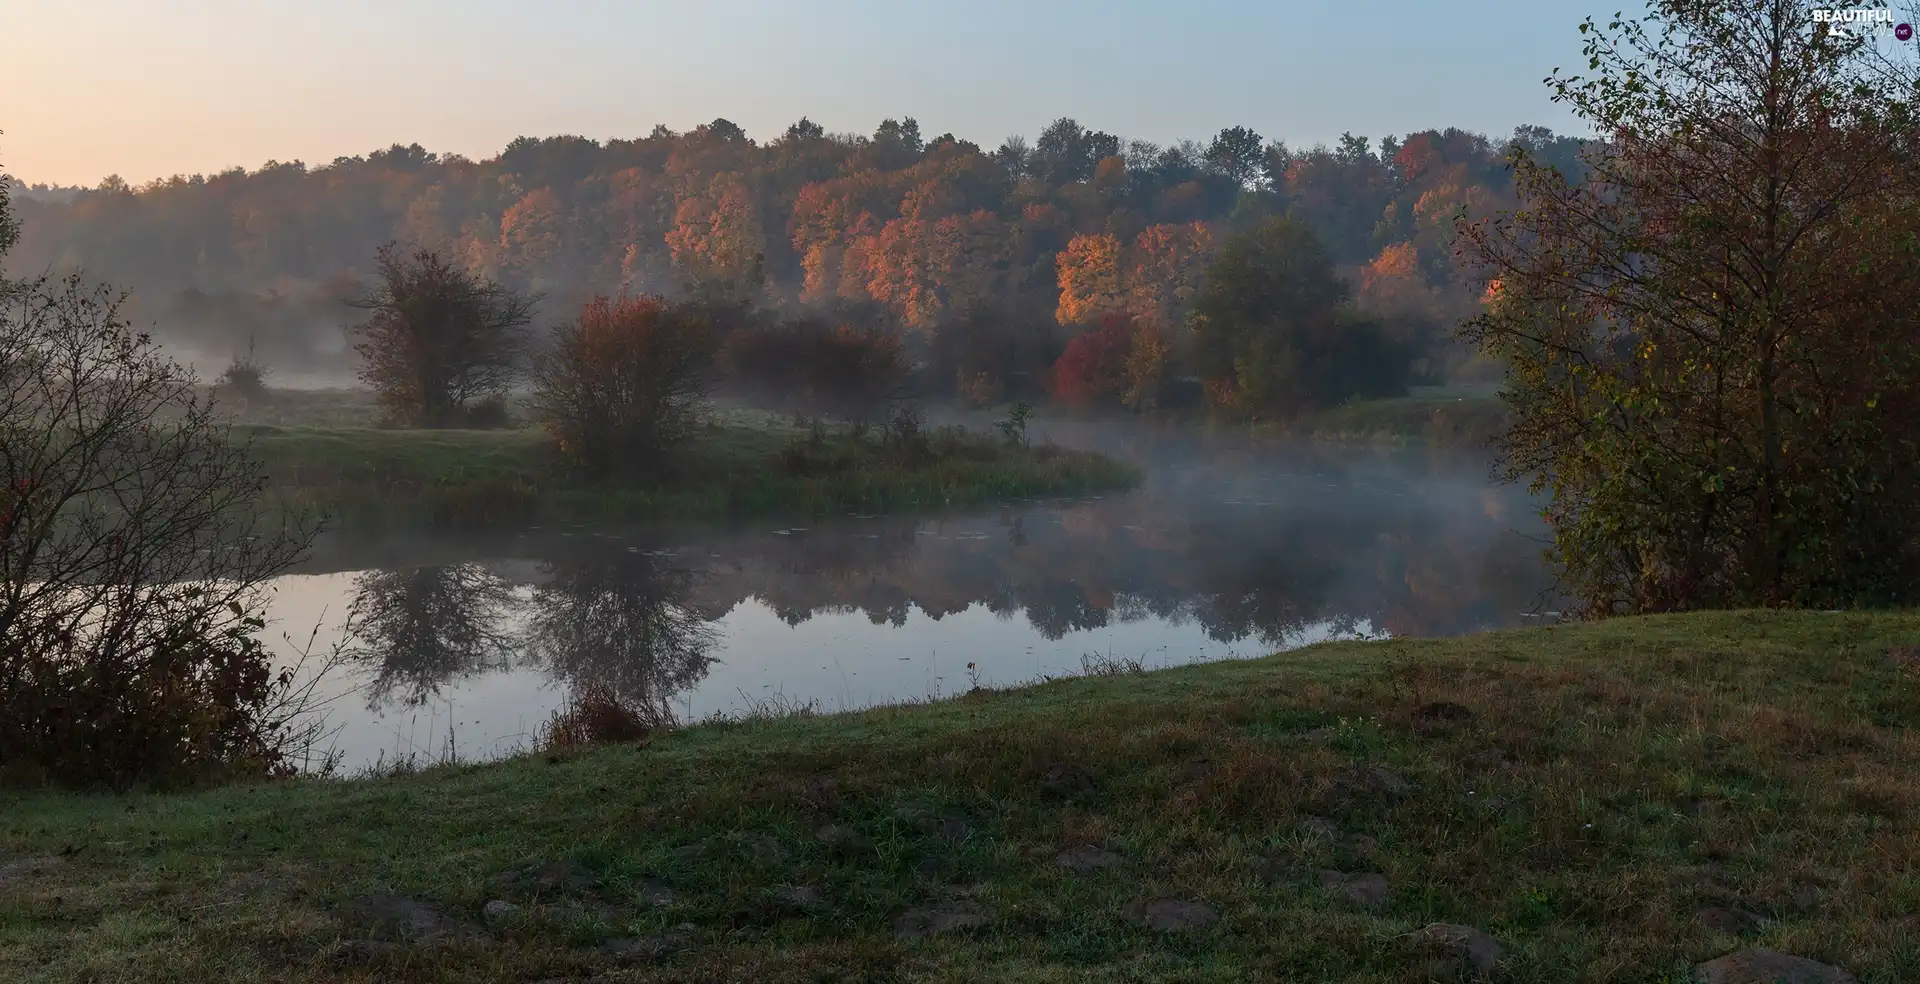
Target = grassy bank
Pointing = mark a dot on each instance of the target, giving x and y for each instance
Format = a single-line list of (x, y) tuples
[(1446, 420), (1610, 802), (368, 476)]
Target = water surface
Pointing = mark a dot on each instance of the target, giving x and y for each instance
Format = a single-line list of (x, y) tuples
[(467, 644)]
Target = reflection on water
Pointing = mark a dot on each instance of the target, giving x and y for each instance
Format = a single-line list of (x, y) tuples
[(417, 630), (474, 640), (620, 618)]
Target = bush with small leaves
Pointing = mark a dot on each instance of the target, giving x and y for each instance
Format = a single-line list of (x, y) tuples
[(622, 387)]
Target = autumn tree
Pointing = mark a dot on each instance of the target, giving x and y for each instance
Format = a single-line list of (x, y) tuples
[(640, 212), (1714, 367), (1340, 193), (1275, 334), (531, 234), (1090, 279), (1164, 270), (1094, 366), (1416, 312), (1067, 152), (1163, 273), (621, 386), (903, 269), (717, 241), (440, 346)]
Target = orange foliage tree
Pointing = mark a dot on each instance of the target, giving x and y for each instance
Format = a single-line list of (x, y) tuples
[(717, 241), (1090, 281)]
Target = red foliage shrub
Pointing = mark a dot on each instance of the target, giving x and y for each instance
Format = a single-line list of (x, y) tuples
[(1094, 366), (623, 385)]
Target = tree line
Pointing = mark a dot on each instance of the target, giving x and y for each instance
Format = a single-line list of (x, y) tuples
[(987, 263)]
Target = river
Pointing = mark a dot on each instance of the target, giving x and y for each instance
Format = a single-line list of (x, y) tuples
[(462, 646)]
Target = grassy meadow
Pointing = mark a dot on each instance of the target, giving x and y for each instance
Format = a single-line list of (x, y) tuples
[(1610, 802), (322, 449)]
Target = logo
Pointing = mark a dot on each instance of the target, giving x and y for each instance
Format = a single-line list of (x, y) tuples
[(1863, 22)]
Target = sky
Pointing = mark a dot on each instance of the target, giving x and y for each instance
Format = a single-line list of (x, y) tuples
[(145, 89)]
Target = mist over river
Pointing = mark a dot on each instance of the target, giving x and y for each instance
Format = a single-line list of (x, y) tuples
[(467, 643)]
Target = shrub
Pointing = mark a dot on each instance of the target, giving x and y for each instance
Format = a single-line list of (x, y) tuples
[(438, 338), (622, 386), (814, 366), (246, 378), (1014, 427), (595, 715), (1093, 369), (905, 436), (134, 550)]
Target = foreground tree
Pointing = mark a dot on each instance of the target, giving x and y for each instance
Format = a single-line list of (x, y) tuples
[(623, 384), (1714, 364), (442, 345), (134, 552), (9, 226)]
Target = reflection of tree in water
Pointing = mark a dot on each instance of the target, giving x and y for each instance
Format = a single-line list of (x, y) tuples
[(423, 627), (1293, 556), (1256, 559), (620, 619), (1055, 608)]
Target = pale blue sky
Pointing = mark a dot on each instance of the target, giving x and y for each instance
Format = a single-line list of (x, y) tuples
[(147, 88)]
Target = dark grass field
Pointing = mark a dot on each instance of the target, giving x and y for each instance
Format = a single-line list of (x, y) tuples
[(1607, 802)]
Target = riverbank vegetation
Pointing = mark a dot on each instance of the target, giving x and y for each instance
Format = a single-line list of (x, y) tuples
[(133, 556), (1711, 376), (1467, 421), (625, 428), (741, 465), (1619, 800)]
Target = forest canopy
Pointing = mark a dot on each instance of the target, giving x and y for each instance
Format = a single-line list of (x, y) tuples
[(1042, 238)]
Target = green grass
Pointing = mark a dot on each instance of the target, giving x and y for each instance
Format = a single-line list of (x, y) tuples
[(1449, 420), (369, 477), (1614, 779), (303, 407)]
